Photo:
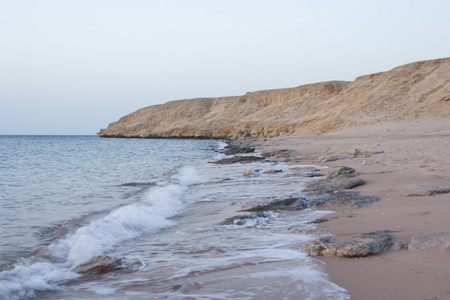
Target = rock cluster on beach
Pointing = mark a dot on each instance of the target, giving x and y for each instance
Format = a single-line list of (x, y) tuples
[(356, 245), (333, 191), (330, 192), (410, 91)]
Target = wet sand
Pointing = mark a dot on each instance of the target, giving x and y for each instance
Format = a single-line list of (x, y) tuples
[(410, 153)]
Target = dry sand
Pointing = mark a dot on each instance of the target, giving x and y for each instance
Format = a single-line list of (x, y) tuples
[(414, 152)]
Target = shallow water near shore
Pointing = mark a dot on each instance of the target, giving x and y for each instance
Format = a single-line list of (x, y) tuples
[(159, 205)]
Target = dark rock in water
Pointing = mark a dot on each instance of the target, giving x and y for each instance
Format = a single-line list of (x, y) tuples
[(247, 173), (99, 264), (318, 221), (438, 239), (339, 199), (326, 185), (237, 220), (310, 174), (283, 153), (272, 171), (358, 245), (286, 204), (242, 219), (187, 288), (240, 159), (138, 184), (306, 172), (261, 210), (234, 149)]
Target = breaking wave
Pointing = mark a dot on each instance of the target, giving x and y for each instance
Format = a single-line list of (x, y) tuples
[(53, 265)]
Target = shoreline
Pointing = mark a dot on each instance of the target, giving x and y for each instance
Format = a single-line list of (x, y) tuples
[(398, 160)]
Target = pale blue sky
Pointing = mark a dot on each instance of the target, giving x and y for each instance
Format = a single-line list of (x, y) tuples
[(74, 66)]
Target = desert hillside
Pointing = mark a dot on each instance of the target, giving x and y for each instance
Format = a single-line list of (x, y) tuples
[(413, 91)]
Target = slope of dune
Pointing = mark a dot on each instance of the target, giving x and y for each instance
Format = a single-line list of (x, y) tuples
[(413, 91)]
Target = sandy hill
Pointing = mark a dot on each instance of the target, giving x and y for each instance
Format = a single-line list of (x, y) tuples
[(413, 91)]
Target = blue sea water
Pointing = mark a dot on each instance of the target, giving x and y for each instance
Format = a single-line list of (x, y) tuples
[(47, 180), (158, 205)]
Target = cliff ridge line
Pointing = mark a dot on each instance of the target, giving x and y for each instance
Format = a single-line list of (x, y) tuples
[(408, 92)]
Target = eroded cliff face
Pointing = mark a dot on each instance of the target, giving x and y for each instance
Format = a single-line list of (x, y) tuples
[(416, 90)]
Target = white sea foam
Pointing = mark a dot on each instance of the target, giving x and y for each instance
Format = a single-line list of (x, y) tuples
[(221, 145), (252, 262), (20, 282), (219, 156), (99, 237), (187, 176)]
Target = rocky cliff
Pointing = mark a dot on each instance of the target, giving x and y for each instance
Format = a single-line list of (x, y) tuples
[(412, 91)]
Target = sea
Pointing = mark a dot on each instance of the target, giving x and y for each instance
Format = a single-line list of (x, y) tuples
[(159, 207)]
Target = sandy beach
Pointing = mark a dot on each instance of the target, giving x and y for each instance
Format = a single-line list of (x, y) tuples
[(399, 162)]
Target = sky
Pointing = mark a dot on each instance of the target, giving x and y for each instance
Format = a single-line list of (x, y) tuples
[(74, 66)]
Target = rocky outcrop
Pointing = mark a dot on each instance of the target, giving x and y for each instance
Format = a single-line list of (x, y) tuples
[(263, 210), (358, 153), (333, 185), (242, 219), (276, 154), (416, 90), (272, 171), (357, 245), (238, 159), (343, 178), (339, 200), (285, 204), (332, 192), (99, 264), (437, 239), (420, 190), (235, 149)]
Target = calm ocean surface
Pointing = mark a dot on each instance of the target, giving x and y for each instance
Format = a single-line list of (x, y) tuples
[(156, 204)]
